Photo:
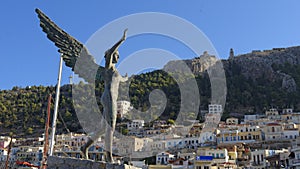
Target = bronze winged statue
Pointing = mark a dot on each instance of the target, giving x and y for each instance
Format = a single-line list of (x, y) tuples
[(73, 51)]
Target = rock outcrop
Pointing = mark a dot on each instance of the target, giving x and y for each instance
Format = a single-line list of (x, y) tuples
[(254, 65)]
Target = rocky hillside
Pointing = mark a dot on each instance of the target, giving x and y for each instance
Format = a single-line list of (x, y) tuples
[(265, 64), (254, 65), (255, 82)]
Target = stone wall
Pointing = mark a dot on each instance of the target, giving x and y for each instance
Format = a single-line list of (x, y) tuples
[(74, 163)]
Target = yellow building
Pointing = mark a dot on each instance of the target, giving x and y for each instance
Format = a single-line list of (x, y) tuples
[(250, 133), (160, 167), (228, 136)]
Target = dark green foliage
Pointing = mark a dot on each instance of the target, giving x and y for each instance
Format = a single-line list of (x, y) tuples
[(23, 110), (252, 96), (141, 86)]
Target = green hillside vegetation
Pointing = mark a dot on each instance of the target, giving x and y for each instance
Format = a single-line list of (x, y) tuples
[(23, 110), (253, 96)]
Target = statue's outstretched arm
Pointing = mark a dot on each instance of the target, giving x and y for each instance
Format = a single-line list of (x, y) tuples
[(72, 51), (117, 45)]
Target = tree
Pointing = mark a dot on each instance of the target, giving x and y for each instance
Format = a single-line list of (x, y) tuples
[(171, 122), (29, 130), (124, 131), (68, 115)]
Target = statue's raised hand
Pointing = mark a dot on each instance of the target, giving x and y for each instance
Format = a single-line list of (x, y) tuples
[(124, 35)]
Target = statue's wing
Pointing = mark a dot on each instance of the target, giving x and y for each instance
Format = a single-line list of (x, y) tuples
[(71, 49)]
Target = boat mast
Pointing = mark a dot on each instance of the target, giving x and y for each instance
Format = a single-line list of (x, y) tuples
[(46, 139), (56, 107)]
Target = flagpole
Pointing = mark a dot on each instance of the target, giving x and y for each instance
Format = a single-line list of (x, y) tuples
[(56, 107)]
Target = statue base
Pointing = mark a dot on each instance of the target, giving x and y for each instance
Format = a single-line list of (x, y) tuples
[(75, 163)]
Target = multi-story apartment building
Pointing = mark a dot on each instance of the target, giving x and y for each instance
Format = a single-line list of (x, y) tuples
[(73, 140), (273, 131), (228, 136), (215, 109), (248, 132), (30, 154), (123, 107), (128, 145), (258, 159), (135, 124)]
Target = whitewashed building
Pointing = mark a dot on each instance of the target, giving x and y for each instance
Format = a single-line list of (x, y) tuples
[(215, 108), (163, 158), (258, 159), (135, 124), (123, 107)]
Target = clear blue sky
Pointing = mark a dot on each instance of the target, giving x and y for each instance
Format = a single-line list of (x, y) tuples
[(29, 58)]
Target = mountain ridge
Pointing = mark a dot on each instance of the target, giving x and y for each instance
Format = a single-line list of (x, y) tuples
[(255, 81)]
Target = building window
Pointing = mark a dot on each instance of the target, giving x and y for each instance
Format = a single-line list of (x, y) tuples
[(273, 129)]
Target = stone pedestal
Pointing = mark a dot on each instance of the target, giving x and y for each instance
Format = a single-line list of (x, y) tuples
[(74, 163)]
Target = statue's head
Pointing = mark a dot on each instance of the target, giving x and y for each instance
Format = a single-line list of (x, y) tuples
[(111, 58), (115, 56)]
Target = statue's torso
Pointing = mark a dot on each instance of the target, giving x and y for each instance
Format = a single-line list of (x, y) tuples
[(111, 86)]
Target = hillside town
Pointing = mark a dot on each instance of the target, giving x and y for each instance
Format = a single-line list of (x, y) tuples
[(269, 140)]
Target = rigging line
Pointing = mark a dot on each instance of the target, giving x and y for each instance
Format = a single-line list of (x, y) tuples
[(61, 118)]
